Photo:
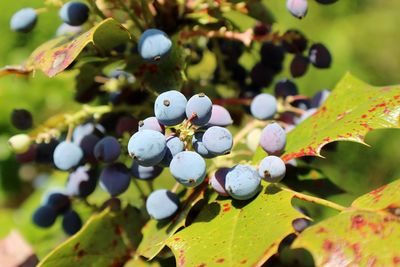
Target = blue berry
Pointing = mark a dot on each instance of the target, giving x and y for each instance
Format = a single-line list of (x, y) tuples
[(199, 147), (151, 123), (107, 149), (272, 169), (263, 106), (44, 216), (148, 147), (170, 107), (188, 168), (24, 20), (154, 45), (67, 155), (218, 140), (217, 181), (174, 146), (74, 13), (273, 139), (59, 201), (162, 204), (319, 98), (71, 222), (220, 116), (145, 173), (297, 8), (320, 56), (65, 29), (242, 182), (200, 106), (82, 182), (115, 179)]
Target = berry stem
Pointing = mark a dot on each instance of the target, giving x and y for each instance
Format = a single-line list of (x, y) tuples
[(69, 133), (141, 192), (175, 187), (315, 200)]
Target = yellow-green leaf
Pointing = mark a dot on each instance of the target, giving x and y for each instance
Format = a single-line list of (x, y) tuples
[(236, 233), (107, 239)]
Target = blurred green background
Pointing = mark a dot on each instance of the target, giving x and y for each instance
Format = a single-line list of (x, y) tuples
[(361, 34)]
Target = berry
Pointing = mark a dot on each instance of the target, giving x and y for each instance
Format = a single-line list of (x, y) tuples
[(242, 182), (200, 106), (170, 108), (45, 151), (151, 123), (71, 222), (24, 20), (188, 168), (273, 139), (58, 201), (220, 116), (320, 56), (21, 119), (148, 147), (67, 155), (121, 74), (126, 124), (253, 139), (65, 29), (263, 106), (300, 224), (285, 88), (85, 129), (319, 98), (294, 42), (299, 65), (272, 56), (261, 75), (74, 13), (115, 179), (174, 146), (326, 2), (154, 45), (44, 216), (297, 8), (303, 104), (87, 145), (217, 181), (218, 140), (162, 204), (145, 173), (81, 182), (199, 147), (20, 143), (107, 149), (272, 169)]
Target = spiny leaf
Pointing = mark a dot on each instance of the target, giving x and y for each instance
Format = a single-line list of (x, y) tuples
[(107, 239), (353, 109), (236, 233), (155, 233), (368, 235), (56, 55)]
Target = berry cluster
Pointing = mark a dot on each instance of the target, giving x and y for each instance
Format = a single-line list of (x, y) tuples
[(183, 132)]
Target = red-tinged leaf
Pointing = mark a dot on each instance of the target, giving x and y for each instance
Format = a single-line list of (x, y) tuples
[(368, 234), (352, 110), (56, 55), (236, 233), (156, 233), (17, 70)]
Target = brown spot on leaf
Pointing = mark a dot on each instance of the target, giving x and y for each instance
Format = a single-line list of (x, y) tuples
[(396, 260), (81, 253), (377, 193), (243, 261), (221, 260), (321, 230), (227, 207), (327, 245), (358, 222), (76, 246), (118, 229)]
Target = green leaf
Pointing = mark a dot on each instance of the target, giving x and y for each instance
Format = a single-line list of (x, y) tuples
[(236, 233), (56, 55), (155, 233), (107, 239), (382, 198), (368, 234), (352, 110)]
